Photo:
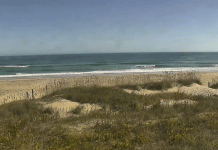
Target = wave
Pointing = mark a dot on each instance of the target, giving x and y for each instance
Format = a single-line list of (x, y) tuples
[(104, 72), (24, 66), (69, 65)]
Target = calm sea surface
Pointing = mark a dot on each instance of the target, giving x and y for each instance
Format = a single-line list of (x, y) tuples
[(84, 64)]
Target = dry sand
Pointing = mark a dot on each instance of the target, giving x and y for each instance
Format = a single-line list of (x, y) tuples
[(15, 89), (64, 107)]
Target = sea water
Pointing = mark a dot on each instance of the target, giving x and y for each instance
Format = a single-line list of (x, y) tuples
[(100, 64)]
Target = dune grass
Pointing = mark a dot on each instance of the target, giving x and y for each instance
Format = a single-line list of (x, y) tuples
[(26, 125), (182, 79), (188, 82), (127, 125), (129, 86), (214, 86), (214, 83), (162, 85), (188, 79)]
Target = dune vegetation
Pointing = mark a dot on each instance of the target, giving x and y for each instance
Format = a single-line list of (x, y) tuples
[(166, 82), (214, 83), (124, 122)]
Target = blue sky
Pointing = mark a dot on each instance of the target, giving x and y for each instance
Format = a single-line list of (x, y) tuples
[(107, 26)]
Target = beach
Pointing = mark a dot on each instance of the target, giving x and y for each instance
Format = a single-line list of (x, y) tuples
[(15, 89), (79, 111)]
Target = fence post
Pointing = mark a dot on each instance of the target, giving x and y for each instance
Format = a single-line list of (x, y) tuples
[(46, 89), (32, 94)]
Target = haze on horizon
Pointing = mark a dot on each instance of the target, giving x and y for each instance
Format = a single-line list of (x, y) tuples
[(103, 26)]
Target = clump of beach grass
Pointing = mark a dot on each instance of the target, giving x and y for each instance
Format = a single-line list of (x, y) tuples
[(186, 79), (129, 86), (165, 81), (188, 82), (161, 85), (77, 110), (214, 86), (214, 83)]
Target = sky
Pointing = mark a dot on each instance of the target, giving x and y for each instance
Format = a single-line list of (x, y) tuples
[(29, 27)]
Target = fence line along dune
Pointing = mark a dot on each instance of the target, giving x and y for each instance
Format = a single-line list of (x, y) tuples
[(16, 89)]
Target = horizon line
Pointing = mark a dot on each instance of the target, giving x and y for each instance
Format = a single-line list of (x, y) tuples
[(105, 53)]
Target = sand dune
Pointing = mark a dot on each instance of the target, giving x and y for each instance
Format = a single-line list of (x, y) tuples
[(64, 107)]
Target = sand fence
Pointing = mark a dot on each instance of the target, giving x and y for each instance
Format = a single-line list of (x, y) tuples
[(33, 89), (38, 88)]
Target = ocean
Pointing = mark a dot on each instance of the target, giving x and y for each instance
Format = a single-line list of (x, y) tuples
[(100, 64)]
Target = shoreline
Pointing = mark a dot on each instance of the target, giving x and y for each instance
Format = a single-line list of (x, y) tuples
[(15, 88), (108, 72)]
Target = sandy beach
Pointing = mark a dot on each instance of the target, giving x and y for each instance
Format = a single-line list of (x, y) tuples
[(15, 89)]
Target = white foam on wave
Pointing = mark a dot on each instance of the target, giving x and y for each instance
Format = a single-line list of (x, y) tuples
[(126, 71), (25, 66)]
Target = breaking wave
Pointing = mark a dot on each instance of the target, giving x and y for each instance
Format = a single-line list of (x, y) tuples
[(112, 72), (24, 66)]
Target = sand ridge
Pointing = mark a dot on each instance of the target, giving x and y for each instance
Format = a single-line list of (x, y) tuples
[(64, 107)]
